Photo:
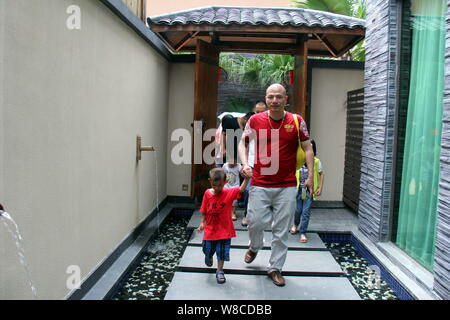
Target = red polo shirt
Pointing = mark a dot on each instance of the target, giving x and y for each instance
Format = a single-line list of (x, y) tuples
[(275, 150)]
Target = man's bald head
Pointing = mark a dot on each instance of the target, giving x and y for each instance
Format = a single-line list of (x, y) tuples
[(276, 99), (276, 87)]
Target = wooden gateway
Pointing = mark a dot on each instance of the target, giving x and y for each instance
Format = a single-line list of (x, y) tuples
[(210, 30)]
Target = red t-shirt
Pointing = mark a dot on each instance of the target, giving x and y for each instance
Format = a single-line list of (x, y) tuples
[(279, 170), (217, 211)]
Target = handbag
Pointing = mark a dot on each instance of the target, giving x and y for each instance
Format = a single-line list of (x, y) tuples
[(301, 156)]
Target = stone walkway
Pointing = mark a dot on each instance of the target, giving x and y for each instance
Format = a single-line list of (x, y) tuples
[(310, 270)]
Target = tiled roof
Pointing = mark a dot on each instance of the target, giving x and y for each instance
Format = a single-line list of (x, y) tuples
[(258, 16)]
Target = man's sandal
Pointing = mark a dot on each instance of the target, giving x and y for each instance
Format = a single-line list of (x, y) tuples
[(220, 277), (293, 230), (250, 256)]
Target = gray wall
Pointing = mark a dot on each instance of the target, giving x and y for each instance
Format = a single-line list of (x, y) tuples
[(442, 254), (379, 106), (72, 105), (2, 136)]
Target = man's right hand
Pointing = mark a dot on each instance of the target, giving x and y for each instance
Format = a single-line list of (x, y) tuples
[(247, 171)]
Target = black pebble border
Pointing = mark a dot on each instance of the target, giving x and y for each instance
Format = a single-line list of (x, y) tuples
[(153, 274), (362, 276)]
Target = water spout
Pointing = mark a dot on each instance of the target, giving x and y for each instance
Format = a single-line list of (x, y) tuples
[(140, 148), (7, 221)]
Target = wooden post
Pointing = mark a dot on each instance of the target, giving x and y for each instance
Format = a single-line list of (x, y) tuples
[(205, 109), (300, 86)]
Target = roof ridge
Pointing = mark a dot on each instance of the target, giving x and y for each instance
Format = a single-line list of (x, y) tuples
[(240, 15), (215, 7)]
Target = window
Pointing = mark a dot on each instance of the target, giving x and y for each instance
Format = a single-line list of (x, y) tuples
[(419, 128)]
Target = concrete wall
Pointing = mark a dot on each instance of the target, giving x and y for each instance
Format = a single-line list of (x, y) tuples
[(73, 103), (2, 136), (328, 123), (181, 115)]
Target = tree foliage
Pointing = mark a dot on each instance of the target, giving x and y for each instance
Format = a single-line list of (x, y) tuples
[(353, 8), (259, 69)]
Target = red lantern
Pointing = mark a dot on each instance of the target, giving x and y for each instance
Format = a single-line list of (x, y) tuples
[(291, 77)]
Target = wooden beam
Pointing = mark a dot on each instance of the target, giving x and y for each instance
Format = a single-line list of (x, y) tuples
[(185, 40), (350, 45), (327, 44), (257, 39), (257, 28), (311, 53), (258, 46)]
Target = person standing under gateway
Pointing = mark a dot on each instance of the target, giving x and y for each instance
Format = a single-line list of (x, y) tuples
[(273, 187)]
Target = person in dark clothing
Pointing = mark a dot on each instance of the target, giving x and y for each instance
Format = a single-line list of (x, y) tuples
[(232, 129), (260, 106)]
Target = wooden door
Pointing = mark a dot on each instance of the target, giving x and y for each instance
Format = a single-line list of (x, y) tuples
[(205, 109)]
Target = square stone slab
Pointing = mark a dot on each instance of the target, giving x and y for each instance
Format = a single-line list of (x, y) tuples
[(322, 220), (297, 262), (242, 240), (258, 287)]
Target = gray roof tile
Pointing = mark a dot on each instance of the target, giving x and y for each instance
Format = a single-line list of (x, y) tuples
[(259, 16)]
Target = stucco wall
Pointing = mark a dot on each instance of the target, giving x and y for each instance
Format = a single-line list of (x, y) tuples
[(181, 115), (73, 103), (328, 123)]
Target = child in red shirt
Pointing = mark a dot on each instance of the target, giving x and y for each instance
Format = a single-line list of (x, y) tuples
[(216, 220)]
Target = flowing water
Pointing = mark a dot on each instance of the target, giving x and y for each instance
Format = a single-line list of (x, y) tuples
[(157, 188), (7, 222), (158, 245)]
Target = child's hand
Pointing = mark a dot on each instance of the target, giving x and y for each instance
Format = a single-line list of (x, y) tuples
[(318, 193), (201, 227)]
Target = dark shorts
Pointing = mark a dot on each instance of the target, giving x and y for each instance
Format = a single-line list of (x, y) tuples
[(220, 247)]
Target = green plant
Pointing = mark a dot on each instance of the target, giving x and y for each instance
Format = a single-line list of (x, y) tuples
[(238, 104), (336, 6), (353, 8), (261, 69)]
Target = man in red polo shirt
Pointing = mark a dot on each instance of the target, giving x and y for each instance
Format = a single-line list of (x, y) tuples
[(273, 187)]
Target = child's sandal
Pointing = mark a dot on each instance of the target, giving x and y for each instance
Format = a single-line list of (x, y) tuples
[(220, 277)]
